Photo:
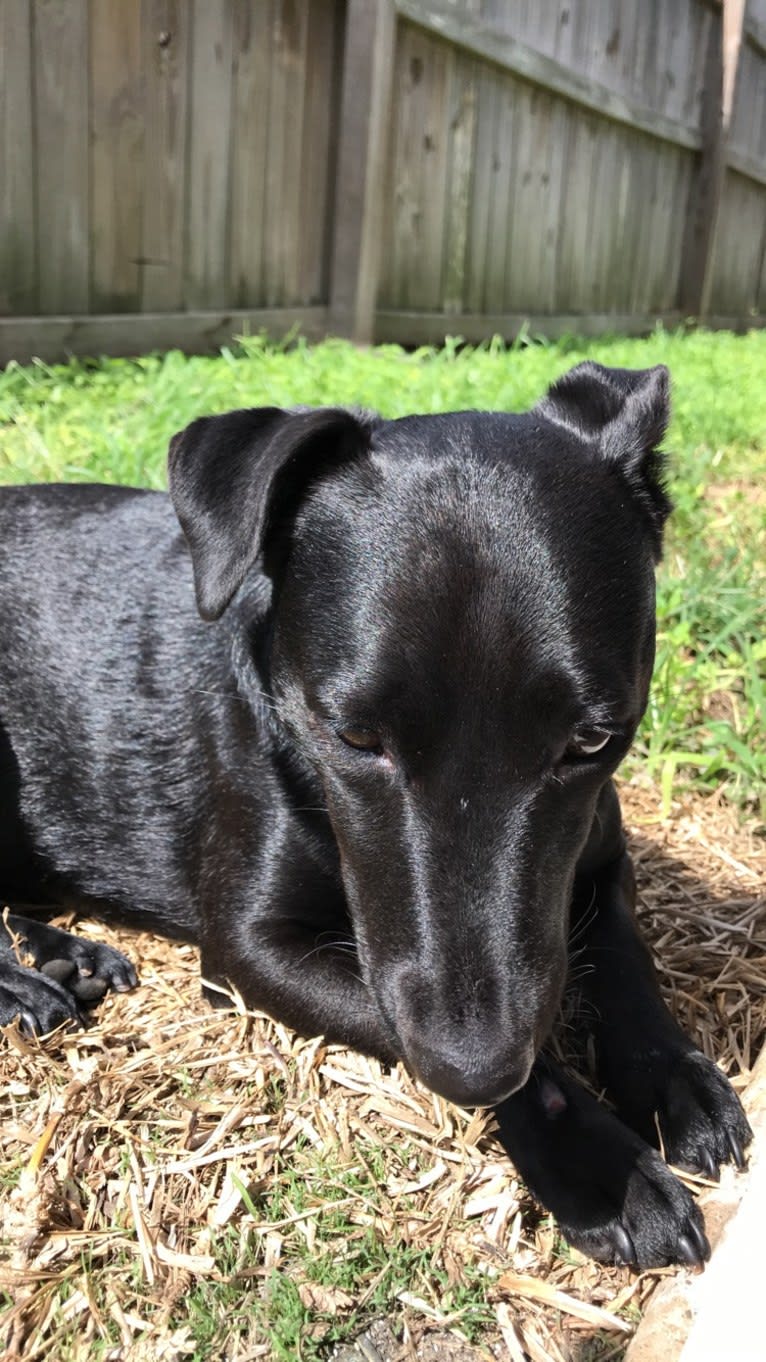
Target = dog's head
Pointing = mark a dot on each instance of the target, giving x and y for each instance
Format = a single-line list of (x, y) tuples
[(461, 641)]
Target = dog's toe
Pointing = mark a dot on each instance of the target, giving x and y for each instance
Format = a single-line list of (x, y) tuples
[(59, 969), (85, 968), (89, 989), (701, 1118), (95, 970), (658, 1223), (104, 965)]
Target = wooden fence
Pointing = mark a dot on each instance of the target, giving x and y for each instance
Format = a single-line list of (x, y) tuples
[(173, 172)]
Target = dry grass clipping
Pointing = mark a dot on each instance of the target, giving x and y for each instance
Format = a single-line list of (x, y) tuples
[(163, 1150)]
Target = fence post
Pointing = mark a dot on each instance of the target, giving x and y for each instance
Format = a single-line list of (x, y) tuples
[(363, 141), (718, 103)]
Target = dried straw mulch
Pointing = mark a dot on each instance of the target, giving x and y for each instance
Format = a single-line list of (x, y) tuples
[(132, 1151)]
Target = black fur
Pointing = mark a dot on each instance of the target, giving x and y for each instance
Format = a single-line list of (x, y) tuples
[(362, 787)]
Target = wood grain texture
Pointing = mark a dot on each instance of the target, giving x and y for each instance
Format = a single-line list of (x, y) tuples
[(358, 223), (740, 246), (117, 132), (431, 328), (209, 185), (286, 128), (485, 40), (62, 169), (461, 124), (420, 163), (18, 269), (488, 94), (198, 333), (701, 248), (249, 144), (321, 128), (165, 33)]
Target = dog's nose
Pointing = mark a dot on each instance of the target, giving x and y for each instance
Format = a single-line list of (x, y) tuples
[(470, 1078), (462, 1036)]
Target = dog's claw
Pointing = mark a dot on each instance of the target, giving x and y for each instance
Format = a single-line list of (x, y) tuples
[(709, 1165), (27, 1023), (700, 1239), (736, 1150), (624, 1245), (690, 1252)]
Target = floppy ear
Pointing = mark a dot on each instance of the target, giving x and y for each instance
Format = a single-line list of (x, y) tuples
[(232, 477), (625, 413)]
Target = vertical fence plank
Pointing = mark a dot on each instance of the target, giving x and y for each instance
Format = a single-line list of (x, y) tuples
[(501, 198), (460, 162), (18, 274), (740, 242), (250, 129), (273, 222), (207, 254), (725, 37), (283, 167), (402, 210), (418, 221), (530, 268), (487, 100), (165, 47), (433, 182), (117, 151), (359, 211), (320, 134), (553, 208), (644, 161), (61, 120)]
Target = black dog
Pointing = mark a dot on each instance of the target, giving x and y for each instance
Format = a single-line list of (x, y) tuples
[(375, 785)]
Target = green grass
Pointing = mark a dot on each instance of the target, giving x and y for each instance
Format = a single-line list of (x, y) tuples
[(246, 1305), (111, 420), (348, 1250)]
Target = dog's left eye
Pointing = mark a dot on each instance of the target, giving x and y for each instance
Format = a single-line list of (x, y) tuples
[(586, 744), (363, 739)]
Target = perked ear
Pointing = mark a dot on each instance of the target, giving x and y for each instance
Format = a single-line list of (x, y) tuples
[(625, 412), (232, 477)]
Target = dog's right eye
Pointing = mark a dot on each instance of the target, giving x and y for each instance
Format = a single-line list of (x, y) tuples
[(586, 744), (362, 739)]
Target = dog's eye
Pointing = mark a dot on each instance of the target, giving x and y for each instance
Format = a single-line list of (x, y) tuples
[(586, 744), (363, 739)]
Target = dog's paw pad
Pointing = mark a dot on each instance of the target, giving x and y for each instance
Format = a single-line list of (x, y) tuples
[(60, 970), (89, 988)]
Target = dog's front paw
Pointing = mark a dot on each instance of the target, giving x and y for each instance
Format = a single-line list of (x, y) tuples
[(650, 1221), (612, 1194), (89, 969), (37, 1003), (86, 969), (701, 1120)]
